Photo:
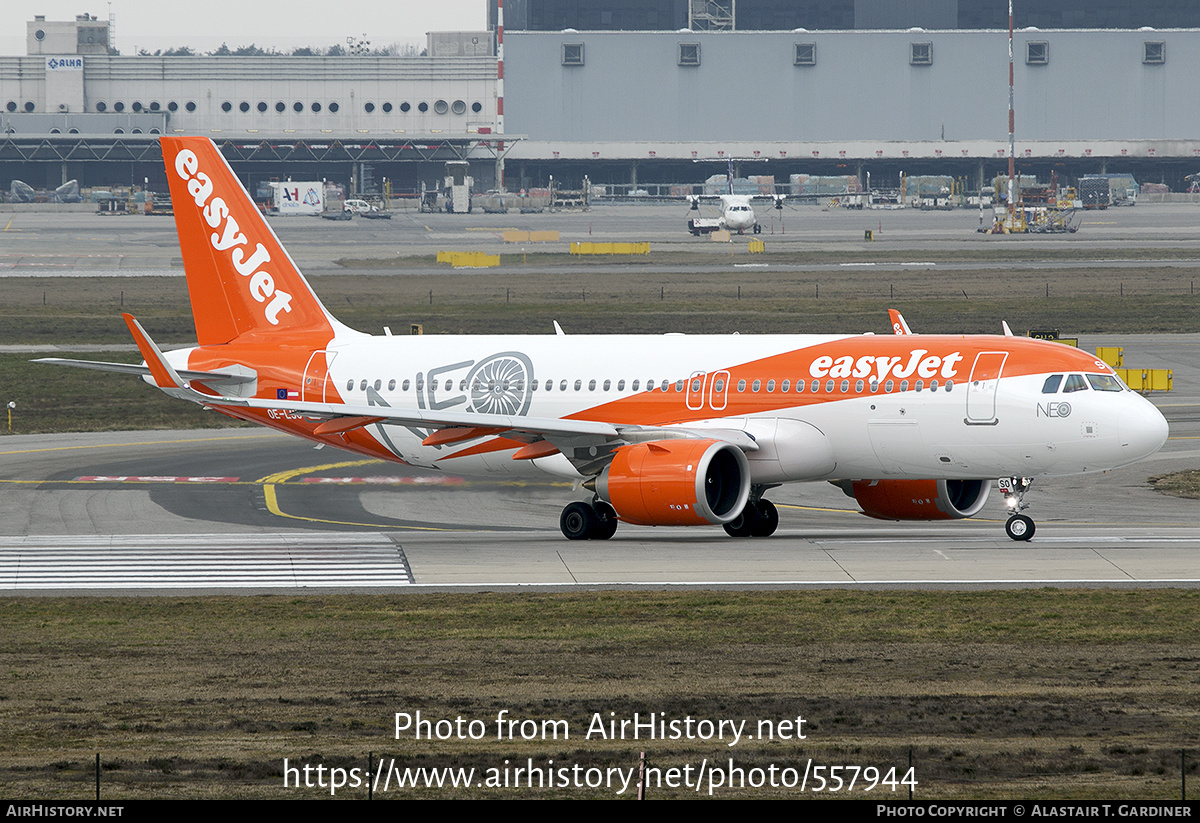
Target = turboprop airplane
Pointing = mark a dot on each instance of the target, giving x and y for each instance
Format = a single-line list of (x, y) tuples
[(668, 430), (737, 215)]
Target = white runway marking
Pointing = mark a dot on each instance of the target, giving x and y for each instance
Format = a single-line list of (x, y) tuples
[(317, 559)]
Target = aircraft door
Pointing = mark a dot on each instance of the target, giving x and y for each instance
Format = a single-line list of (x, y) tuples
[(316, 375), (695, 390), (717, 397), (982, 387)]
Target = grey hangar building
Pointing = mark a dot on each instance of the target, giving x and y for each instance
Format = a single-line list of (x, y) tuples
[(637, 94)]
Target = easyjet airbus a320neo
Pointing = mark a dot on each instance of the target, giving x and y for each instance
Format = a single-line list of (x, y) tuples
[(666, 430)]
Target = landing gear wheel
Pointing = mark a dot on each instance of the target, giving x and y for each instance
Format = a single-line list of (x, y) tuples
[(744, 524), (606, 522), (767, 521), (578, 521), (1019, 527)]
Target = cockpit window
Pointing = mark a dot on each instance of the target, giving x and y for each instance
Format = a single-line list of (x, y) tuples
[(1052, 383), (1105, 382), (1075, 382)]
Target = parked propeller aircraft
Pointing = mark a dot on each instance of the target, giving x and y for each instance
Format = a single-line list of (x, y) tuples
[(668, 430), (737, 213)]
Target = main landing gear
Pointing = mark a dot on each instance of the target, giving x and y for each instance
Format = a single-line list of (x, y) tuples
[(1019, 526), (580, 521), (758, 519)]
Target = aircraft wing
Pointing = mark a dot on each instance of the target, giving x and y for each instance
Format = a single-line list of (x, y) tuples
[(899, 325)]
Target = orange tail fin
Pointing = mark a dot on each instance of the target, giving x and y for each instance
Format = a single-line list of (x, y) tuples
[(240, 278)]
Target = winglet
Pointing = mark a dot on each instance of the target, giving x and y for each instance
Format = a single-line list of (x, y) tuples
[(1007, 330), (165, 376), (898, 324)]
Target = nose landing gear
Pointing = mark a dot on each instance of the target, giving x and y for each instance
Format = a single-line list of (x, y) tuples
[(1019, 526)]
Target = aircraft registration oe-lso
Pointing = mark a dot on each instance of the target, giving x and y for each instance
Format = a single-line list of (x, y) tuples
[(671, 430)]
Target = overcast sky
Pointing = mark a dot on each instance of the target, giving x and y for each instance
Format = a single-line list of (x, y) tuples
[(205, 24)]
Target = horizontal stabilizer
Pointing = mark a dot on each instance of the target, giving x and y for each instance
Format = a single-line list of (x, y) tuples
[(142, 370)]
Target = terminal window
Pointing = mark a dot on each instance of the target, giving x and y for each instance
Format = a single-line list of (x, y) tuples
[(572, 54), (1155, 51), (920, 54), (689, 54), (1037, 53), (806, 54)]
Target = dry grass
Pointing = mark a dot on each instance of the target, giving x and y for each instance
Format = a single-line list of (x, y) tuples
[(1178, 484), (1046, 694), (634, 300)]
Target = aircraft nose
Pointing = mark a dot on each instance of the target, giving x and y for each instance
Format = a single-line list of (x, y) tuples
[(1143, 430)]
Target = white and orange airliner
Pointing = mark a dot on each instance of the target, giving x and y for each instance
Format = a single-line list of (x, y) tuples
[(668, 430)]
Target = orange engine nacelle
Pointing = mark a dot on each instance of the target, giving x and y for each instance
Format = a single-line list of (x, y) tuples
[(676, 483), (919, 499)]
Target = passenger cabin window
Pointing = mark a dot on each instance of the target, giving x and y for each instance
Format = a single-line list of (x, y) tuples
[(1052, 383), (1075, 382)]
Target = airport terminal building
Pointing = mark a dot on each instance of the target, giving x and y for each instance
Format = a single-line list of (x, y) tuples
[(631, 107)]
